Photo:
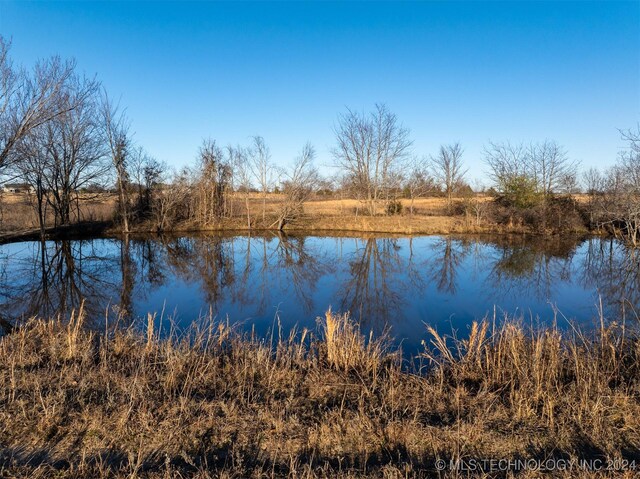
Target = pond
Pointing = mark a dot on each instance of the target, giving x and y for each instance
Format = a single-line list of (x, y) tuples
[(274, 282)]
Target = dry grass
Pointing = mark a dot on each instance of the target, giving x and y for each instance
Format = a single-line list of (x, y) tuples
[(17, 212), (340, 207), (347, 207), (347, 349), (214, 403), (323, 215), (429, 216)]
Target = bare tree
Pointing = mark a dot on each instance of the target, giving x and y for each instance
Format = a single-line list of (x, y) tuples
[(448, 169), (28, 101), (507, 163), (370, 149), (76, 154), (214, 183), (116, 134), (263, 170), (138, 159), (173, 203), (630, 157), (593, 182), (32, 168), (64, 155), (419, 181), (551, 167), (242, 176), (619, 206), (478, 206), (147, 175), (299, 185), (545, 166)]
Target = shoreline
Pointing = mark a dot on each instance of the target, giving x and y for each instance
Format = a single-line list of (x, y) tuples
[(329, 225)]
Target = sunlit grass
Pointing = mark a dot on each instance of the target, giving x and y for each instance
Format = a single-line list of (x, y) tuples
[(215, 402)]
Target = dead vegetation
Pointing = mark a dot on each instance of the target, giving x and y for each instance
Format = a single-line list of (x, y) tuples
[(217, 403), (18, 212), (419, 216)]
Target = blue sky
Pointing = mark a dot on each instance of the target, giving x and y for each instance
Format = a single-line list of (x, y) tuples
[(452, 71)]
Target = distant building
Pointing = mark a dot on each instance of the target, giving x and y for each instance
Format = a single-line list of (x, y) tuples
[(17, 188)]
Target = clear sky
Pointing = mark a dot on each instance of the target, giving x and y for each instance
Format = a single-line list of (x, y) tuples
[(451, 71)]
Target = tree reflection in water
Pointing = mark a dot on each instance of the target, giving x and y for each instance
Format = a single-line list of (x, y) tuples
[(54, 278), (371, 289), (246, 269), (532, 266), (303, 267), (380, 280), (444, 263), (615, 271)]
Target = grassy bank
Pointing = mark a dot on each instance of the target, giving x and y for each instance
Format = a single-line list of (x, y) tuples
[(422, 216), (18, 220), (331, 403), (403, 225)]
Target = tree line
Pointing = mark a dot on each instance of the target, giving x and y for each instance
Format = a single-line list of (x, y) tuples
[(62, 134)]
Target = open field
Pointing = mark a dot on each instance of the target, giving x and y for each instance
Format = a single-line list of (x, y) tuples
[(18, 213), (327, 403), (430, 216), (319, 215)]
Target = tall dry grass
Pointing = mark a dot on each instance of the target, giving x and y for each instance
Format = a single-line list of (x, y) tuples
[(348, 349), (213, 402)]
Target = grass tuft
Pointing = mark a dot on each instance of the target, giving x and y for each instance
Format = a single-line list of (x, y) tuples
[(348, 349)]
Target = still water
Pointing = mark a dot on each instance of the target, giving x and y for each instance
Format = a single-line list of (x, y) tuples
[(262, 281)]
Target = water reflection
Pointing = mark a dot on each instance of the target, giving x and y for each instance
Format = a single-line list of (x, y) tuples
[(399, 282), (373, 288), (249, 271), (615, 271), (533, 267), (444, 263), (52, 278)]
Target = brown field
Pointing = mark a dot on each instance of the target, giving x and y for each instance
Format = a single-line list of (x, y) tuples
[(328, 403), (17, 212), (320, 214), (349, 215), (430, 216), (333, 206)]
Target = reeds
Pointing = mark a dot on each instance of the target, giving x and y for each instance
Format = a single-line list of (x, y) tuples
[(348, 349), (215, 402)]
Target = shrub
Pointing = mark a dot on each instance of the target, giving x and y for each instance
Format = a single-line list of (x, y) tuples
[(520, 192), (394, 207), (555, 214)]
